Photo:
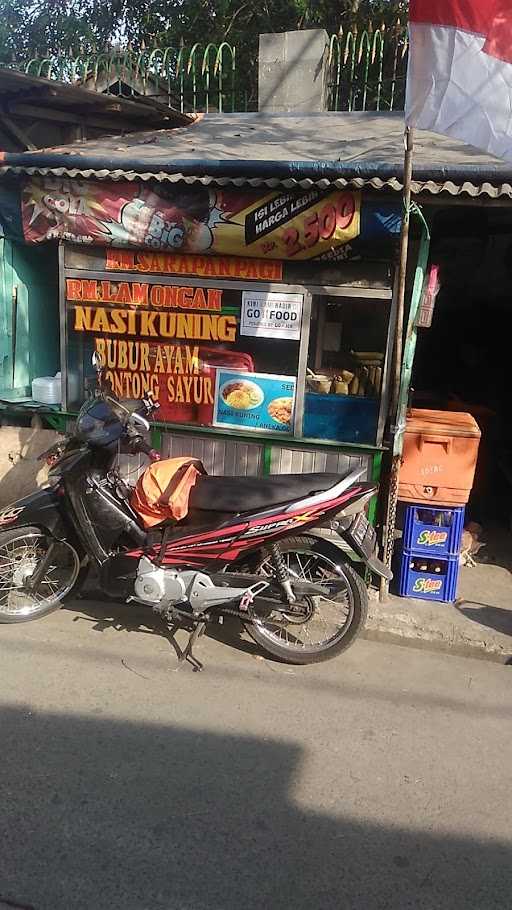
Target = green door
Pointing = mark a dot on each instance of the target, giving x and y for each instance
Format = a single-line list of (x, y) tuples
[(29, 316)]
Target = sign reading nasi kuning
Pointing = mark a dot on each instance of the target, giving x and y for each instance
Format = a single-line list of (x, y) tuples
[(147, 343)]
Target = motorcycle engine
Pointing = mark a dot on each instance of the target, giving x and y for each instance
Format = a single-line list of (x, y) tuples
[(155, 584), (163, 588)]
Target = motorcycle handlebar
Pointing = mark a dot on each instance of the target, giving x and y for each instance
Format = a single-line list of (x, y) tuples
[(140, 445)]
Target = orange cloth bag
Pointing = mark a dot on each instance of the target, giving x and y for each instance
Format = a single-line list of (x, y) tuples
[(163, 489)]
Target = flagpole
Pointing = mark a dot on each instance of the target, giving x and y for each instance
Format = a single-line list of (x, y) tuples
[(392, 498)]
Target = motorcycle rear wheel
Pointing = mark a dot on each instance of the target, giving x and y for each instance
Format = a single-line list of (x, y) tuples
[(21, 549), (333, 624)]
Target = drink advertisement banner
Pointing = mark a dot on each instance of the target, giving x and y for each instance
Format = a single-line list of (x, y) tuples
[(197, 220), (255, 401), (331, 225), (271, 315)]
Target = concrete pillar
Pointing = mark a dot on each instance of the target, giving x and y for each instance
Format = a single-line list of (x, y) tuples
[(292, 74)]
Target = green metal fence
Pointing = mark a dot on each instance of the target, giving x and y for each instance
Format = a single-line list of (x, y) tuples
[(366, 72), (200, 78), (367, 68)]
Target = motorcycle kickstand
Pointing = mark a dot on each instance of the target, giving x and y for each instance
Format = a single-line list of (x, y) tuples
[(186, 654)]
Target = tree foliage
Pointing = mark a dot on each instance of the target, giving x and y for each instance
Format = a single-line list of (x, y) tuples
[(77, 28), (47, 27)]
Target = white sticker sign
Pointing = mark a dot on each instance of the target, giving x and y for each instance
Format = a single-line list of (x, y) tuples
[(271, 314)]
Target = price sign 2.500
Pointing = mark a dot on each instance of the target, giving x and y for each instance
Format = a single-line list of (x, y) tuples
[(330, 221)]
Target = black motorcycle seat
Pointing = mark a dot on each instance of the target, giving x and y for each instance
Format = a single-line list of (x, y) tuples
[(244, 494)]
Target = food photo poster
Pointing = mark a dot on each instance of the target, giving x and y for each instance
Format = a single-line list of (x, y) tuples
[(254, 401)]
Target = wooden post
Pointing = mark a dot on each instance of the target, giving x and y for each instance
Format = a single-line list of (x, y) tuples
[(392, 492), (402, 270)]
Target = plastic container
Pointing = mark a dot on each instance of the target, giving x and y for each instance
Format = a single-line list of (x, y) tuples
[(47, 389), (320, 384), (439, 457), (431, 531), (428, 579)]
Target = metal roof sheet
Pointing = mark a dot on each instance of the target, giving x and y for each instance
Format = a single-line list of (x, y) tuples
[(19, 89), (363, 149)]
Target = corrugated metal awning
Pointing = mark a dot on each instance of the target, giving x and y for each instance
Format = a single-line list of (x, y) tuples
[(375, 183)]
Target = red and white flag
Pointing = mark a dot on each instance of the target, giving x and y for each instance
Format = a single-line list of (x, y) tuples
[(459, 79)]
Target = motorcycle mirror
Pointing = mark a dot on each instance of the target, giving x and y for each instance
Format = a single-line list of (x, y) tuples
[(98, 365), (137, 418), (149, 402), (97, 361)]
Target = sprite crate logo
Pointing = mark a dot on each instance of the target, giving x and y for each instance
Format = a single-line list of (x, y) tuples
[(427, 585)]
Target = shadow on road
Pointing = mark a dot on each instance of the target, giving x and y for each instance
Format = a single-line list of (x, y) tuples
[(100, 813), (104, 615)]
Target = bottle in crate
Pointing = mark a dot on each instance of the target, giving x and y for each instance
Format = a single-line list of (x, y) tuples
[(433, 531), (428, 579)]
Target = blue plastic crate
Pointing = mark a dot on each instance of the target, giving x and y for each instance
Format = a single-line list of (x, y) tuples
[(437, 581), (432, 531)]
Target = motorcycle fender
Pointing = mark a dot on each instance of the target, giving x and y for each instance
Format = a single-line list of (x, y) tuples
[(339, 543), (41, 509)]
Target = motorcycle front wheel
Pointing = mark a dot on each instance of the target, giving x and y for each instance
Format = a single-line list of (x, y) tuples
[(21, 552), (327, 626)]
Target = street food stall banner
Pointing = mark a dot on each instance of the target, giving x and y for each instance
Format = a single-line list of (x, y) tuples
[(146, 344), (297, 225), (183, 344)]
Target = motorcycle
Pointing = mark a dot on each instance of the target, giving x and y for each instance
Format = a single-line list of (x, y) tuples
[(242, 550)]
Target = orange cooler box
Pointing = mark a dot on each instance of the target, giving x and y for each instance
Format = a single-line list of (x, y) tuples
[(439, 457)]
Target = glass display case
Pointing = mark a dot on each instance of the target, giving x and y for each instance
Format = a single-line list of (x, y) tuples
[(239, 356)]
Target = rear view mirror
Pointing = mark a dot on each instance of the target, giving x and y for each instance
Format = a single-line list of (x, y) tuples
[(97, 362)]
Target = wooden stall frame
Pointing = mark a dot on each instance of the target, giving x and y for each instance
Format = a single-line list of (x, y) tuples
[(63, 330)]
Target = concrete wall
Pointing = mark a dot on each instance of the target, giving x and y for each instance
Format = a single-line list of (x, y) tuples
[(20, 471), (292, 73)]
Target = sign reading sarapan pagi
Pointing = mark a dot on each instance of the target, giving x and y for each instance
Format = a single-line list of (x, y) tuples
[(203, 266)]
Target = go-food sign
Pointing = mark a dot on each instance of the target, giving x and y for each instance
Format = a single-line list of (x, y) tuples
[(271, 315)]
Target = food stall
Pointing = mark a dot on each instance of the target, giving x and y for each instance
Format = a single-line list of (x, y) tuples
[(259, 365), (262, 318)]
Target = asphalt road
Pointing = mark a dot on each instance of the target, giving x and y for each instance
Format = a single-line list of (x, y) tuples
[(378, 780)]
